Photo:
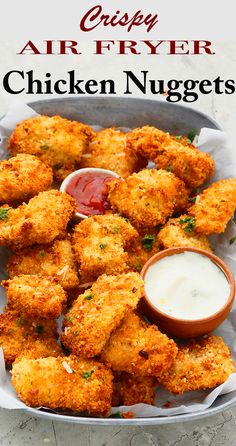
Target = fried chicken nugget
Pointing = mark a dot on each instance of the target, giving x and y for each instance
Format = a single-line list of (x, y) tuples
[(143, 249), (22, 177), (139, 348), (56, 260), (108, 150), (180, 232), (136, 389), (175, 154), (147, 198), (199, 365), (99, 245), (215, 207), (55, 140), (35, 296), (34, 337), (182, 201), (43, 219), (68, 383), (95, 314)]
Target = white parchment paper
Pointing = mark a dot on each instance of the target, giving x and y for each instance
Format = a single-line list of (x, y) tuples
[(216, 143)]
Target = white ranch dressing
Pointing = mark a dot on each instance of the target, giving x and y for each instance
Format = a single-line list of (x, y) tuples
[(187, 286)]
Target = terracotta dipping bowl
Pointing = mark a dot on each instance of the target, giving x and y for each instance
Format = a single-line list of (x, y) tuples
[(183, 328)]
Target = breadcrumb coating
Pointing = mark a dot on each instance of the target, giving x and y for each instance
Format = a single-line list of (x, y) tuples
[(147, 198), (66, 383), (136, 389), (56, 260), (182, 202), (43, 219), (22, 177), (35, 296), (200, 365), (95, 314), (215, 207), (41, 349), (108, 150), (19, 336), (143, 249), (99, 245), (177, 232), (175, 154), (55, 140), (139, 348)]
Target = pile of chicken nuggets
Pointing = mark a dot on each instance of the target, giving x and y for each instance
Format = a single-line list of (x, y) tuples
[(88, 273)]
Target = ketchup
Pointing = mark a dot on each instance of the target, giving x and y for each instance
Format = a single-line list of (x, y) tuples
[(89, 191)]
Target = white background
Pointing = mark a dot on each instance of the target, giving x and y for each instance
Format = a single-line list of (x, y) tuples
[(178, 19)]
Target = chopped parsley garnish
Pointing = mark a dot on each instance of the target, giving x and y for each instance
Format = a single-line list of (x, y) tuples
[(42, 253), (58, 166), (116, 415), (191, 135), (76, 333), (39, 329), (69, 319), (147, 241), (89, 297), (103, 245), (138, 267), (4, 213), (116, 230), (189, 223), (126, 219), (20, 321), (87, 375), (44, 147), (192, 199), (189, 138), (169, 169), (232, 240)]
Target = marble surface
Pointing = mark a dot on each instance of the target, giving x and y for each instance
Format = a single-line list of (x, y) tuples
[(20, 429)]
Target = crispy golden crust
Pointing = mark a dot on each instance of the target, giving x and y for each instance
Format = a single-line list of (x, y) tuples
[(138, 348), (35, 296), (64, 383), (182, 202), (147, 198), (175, 234), (55, 140), (176, 154), (41, 348), (22, 177), (96, 313), (19, 335), (99, 245), (43, 219), (143, 249), (108, 150), (215, 207), (198, 366), (136, 389), (55, 260)]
